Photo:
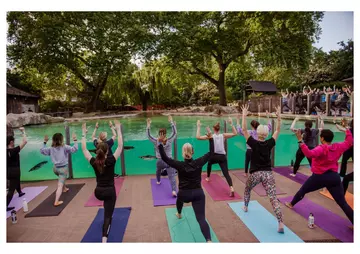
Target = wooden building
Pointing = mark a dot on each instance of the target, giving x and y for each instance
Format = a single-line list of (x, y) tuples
[(19, 101)]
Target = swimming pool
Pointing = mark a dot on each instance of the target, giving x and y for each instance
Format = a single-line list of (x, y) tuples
[(138, 145)]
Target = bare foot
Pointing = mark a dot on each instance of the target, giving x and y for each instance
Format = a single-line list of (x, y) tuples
[(232, 192), (58, 203), (293, 175), (174, 194), (104, 239), (281, 228), (207, 179), (288, 204), (65, 189), (245, 174), (245, 209), (158, 182), (178, 215), (209, 241)]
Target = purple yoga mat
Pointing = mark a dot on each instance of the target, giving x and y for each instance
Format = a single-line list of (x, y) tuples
[(324, 219), (162, 193), (217, 188), (286, 171), (259, 189), (93, 201), (30, 194)]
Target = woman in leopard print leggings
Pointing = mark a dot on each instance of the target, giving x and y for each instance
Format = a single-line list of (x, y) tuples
[(260, 168)]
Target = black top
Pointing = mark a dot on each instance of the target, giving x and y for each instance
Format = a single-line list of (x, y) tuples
[(13, 162), (189, 170), (110, 143), (260, 157), (105, 179)]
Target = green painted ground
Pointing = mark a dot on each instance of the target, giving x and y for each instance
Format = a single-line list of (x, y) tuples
[(134, 135)]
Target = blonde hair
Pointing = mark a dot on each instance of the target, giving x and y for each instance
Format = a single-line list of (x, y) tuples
[(187, 151), (103, 136), (262, 131)]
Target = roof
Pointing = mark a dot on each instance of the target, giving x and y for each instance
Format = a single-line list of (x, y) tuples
[(262, 86), (15, 91), (348, 79)]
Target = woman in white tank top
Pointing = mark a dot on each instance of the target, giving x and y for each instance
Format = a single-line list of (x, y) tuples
[(219, 156)]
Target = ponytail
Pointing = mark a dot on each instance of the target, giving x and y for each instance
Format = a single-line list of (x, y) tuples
[(101, 150), (308, 125)]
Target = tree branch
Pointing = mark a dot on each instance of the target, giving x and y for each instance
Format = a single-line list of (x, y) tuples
[(240, 53)]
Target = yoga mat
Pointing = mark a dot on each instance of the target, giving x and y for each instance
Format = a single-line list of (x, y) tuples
[(217, 188), (324, 219), (263, 224), (117, 230), (259, 189), (349, 197), (285, 171), (161, 193), (30, 194), (47, 208), (186, 229), (93, 201)]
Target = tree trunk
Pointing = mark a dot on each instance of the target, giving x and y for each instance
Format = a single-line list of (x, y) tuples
[(221, 87)]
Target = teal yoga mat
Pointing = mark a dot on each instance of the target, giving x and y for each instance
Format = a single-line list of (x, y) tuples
[(186, 229), (263, 224)]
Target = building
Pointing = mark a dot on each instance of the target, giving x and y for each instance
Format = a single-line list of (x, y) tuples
[(350, 81), (19, 101), (269, 99)]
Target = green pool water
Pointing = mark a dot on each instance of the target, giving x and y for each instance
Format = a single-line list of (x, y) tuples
[(135, 136)]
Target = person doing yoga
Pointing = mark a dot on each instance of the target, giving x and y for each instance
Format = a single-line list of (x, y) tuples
[(103, 138), (325, 169), (260, 166), (104, 168), (189, 173), (13, 172), (59, 154), (160, 164), (309, 137), (254, 124), (219, 156)]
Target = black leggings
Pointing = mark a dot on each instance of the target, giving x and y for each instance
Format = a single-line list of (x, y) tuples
[(346, 156), (299, 157), (331, 180), (108, 195), (197, 199), (14, 185), (247, 159), (347, 179), (222, 161)]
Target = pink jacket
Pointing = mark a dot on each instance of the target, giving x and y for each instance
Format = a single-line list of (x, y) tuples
[(325, 157)]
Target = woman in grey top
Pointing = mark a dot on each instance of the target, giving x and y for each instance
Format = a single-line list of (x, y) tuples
[(59, 154), (309, 137), (160, 164)]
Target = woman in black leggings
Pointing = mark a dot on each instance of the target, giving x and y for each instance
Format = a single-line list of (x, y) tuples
[(309, 137), (189, 172), (104, 168), (219, 156), (348, 153), (325, 167)]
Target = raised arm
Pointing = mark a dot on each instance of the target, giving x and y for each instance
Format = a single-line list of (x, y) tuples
[(321, 127), (278, 123), (45, 150), (148, 125), (238, 127), (269, 120), (24, 140), (173, 128), (119, 148), (198, 136), (244, 125), (112, 130), (172, 163), (83, 143), (94, 132), (233, 133), (205, 158), (339, 127), (292, 127), (74, 148)]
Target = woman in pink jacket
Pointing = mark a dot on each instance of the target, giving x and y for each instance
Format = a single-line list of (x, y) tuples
[(325, 169)]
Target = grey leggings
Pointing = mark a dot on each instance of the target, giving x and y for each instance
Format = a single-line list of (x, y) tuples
[(160, 165)]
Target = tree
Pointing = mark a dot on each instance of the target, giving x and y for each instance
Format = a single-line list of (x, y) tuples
[(89, 45), (195, 40)]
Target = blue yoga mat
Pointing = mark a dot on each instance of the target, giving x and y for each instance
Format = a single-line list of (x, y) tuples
[(117, 230), (263, 224)]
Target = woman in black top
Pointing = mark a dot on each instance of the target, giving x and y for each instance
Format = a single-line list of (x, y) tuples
[(13, 167), (189, 172), (104, 168), (260, 168)]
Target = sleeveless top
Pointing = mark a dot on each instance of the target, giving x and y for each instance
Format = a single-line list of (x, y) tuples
[(219, 144)]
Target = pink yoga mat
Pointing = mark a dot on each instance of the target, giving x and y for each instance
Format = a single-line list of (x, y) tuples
[(217, 188), (93, 201), (259, 189)]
